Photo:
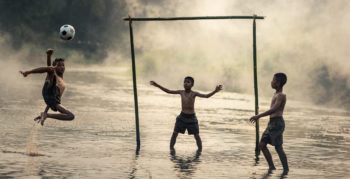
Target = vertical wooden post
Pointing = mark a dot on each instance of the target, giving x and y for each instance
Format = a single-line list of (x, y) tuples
[(256, 87), (134, 86)]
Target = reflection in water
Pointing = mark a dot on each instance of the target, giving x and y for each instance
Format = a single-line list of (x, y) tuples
[(132, 174), (186, 166), (269, 173), (283, 175), (257, 153)]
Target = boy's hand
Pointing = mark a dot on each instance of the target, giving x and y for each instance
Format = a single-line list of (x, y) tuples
[(49, 51), (253, 119), (24, 73), (153, 83), (218, 88)]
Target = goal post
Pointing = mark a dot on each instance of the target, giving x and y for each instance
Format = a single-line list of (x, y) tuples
[(131, 19)]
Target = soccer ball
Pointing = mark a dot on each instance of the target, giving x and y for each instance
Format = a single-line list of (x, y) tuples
[(67, 32)]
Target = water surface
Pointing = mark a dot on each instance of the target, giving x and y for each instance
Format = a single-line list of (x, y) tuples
[(100, 142)]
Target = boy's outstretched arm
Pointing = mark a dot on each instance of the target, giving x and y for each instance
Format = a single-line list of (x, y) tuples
[(153, 83), (279, 99), (49, 53), (37, 70), (217, 89)]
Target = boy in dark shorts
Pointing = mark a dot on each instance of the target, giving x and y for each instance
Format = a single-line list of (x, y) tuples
[(53, 89), (274, 132), (187, 118)]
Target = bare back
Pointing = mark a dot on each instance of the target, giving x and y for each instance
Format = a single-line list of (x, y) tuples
[(280, 100), (187, 101)]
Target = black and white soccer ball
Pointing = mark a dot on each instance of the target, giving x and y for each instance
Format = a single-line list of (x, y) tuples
[(67, 32)]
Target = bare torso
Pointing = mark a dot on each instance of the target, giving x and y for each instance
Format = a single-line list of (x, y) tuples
[(279, 111), (187, 101), (60, 83)]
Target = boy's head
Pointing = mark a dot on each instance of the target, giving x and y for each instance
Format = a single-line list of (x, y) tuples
[(59, 64), (279, 80), (188, 82)]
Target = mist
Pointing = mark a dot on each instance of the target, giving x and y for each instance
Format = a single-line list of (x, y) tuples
[(307, 40)]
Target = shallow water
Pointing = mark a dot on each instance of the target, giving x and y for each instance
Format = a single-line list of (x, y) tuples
[(100, 142)]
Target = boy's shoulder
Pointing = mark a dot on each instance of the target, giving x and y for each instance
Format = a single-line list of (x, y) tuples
[(281, 95)]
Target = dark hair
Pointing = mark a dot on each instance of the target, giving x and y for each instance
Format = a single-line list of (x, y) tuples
[(57, 60), (282, 78), (189, 78)]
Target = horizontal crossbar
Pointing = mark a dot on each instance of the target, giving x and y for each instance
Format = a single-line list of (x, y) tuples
[(190, 18)]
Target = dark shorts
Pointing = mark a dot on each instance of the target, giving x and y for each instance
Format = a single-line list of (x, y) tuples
[(273, 134), (186, 121), (51, 94)]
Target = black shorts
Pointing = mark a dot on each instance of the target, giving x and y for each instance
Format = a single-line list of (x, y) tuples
[(273, 134), (51, 94), (186, 121)]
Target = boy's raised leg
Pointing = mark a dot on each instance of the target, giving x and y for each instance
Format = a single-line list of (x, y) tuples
[(267, 155), (199, 141), (283, 158), (64, 115), (173, 140)]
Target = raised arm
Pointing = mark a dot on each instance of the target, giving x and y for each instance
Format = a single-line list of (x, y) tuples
[(49, 53), (217, 89), (279, 101), (164, 89), (38, 70)]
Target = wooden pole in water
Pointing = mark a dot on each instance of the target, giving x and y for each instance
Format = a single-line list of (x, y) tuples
[(134, 86), (256, 88), (195, 18)]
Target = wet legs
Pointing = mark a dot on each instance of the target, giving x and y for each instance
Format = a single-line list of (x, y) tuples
[(196, 136), (198, 141), (267, 155), (283, 158), (173, 140)]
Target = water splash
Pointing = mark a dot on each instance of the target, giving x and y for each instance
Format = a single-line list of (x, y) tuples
[(31, 148)]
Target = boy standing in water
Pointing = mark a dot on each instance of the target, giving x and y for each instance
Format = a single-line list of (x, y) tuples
[(274, 132), (53, 89), (187, 118)]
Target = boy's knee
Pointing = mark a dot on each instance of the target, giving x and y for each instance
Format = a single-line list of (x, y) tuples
[(262, 145), (278, 147), (175, 134), (71, 116)]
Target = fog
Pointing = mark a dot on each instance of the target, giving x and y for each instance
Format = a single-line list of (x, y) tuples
[(307, 40), (304, 39)]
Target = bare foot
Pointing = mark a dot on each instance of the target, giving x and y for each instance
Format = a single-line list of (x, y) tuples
[(285, 171), (43, 117), (37, 118), (271, 169)]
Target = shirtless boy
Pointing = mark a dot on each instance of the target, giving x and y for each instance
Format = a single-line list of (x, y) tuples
[(53, 89), (274, 132), (187, 118)]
